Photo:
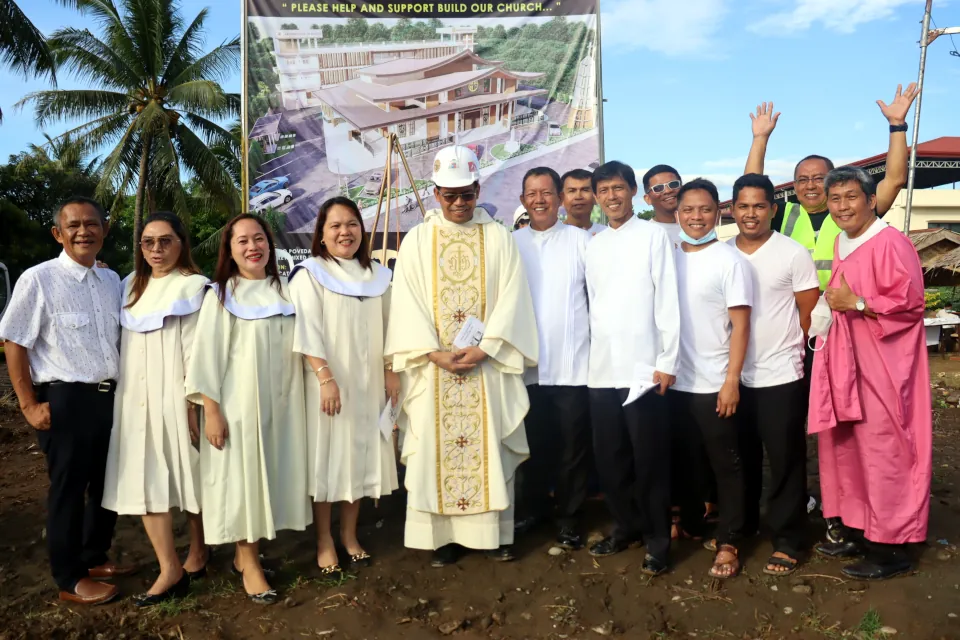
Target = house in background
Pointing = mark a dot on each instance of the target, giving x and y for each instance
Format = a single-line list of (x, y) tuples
[(428, 103), (305, 64), (266, 131)]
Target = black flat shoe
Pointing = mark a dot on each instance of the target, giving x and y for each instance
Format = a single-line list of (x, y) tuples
[(848, 549), (611, 545), (569, 539), (653, 566), (332, 571), (877, 569), (179, 590), (502, 554), (267, 597), (267, 573), (445, 556), (202, 571), (360, 560), (526, 525)]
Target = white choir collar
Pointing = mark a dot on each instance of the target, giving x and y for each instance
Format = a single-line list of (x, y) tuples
[(373, 288), (279, 307), (75, 269), (185, 299)]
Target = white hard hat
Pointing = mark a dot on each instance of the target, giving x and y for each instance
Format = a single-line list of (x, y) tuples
[(456, 167), (521, 210)]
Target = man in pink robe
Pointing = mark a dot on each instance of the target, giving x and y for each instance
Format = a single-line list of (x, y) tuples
[(870, 388)]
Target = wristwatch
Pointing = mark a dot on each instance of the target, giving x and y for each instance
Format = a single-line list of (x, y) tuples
[(861, 305), (894, 128)]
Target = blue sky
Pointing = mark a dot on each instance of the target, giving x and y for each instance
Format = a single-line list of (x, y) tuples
[(681, 76)]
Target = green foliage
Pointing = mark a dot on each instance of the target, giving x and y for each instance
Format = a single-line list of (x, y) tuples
[(932, 300), (646, 214)]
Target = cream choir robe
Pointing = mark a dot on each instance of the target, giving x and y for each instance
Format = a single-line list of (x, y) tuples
[(243, 359), (152, 466), (463, 434), (342, 318)]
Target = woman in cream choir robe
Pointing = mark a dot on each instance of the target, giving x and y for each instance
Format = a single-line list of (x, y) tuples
[(250, 382), (340, 296), (152, 467)]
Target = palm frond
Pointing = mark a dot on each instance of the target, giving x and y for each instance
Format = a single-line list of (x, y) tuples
[(66, 104), (22, 47), (145, 26), (89, 58), (187, 50), (219, 64), (200, 161), (198, 95)]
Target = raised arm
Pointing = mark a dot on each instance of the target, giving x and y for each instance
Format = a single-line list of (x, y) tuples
[(762, 124), (897, 154)]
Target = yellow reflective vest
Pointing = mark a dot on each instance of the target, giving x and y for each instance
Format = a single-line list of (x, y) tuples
[(797, 225)]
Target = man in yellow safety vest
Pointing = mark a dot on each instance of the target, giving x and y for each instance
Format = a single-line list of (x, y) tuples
[(809, 222)]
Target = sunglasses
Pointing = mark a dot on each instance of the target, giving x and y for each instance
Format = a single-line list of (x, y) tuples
[(468, 196), (660, 188), (162, 243)]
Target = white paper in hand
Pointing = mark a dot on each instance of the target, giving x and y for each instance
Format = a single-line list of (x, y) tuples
[(642, 382), (471, 333), (388, 418)]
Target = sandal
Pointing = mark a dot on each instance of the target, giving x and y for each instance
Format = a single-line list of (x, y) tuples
[(710, 544), (789, 565), (733, 563)]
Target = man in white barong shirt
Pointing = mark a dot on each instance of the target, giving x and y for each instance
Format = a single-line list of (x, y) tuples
[(634, 340), (558, 425), (463, 408)]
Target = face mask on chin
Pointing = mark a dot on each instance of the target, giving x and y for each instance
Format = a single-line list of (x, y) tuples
[(821, 319), (710, 237)]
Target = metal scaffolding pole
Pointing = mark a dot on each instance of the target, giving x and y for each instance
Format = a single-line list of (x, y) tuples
[(244, 126), (911, 176)]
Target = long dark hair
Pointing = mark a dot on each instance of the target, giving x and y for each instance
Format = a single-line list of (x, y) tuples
[(319, 249), (142, 269), (227, 270)]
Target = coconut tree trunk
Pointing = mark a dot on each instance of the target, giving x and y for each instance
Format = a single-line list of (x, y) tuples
[(141, 191)]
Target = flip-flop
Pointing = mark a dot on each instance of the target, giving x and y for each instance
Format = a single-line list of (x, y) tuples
[(726, 548), (710, 544), (790, 564)]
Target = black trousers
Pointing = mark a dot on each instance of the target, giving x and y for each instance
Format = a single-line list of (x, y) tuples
[(558, 432), (632, 449), (695, 414), (79, 530), (773, 418)]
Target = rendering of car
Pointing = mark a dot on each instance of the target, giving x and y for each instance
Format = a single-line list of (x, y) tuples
[(270, 199), (554, 130), (270, 184), (372, 187)]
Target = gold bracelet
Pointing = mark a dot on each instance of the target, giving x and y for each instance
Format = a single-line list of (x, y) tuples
[(330, 379), (388, 366), (317, 372)]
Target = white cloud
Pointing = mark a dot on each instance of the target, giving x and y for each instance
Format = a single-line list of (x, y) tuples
[(841, 16), (779, 169), (663, 26)]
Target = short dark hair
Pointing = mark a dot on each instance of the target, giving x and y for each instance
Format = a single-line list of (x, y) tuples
[(611, 170), (542, 171), (575, 174), (80, 200), (700, 184), (318, 249), (850, 174), (654, 170), (826, 161), (753, 181)]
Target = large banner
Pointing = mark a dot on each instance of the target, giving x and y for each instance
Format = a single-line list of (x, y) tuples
[(327, 84)]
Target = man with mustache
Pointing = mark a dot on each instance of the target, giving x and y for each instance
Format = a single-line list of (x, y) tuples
[(62, 333), (463, 408), (634, 338)]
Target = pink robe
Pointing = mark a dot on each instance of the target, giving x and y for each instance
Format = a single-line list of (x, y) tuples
[(870, 397)]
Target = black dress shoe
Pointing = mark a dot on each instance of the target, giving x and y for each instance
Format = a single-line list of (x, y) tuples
[(611, 545), (502, 554), (526, 525), (568, 538), (179, 590), (445, 556), (202, 571), (653, 566), (847, 549), (360, 560), (878, 569)]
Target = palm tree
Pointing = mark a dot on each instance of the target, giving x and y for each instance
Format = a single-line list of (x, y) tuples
[(154, 97), (64, 153), (22, 46)]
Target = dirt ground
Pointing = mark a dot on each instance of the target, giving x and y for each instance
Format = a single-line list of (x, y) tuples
[(538, 596)]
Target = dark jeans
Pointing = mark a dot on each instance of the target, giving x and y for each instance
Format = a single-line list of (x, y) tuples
[(773, 418), (696, 415), (632, 449), (79, 530), (558, 432)]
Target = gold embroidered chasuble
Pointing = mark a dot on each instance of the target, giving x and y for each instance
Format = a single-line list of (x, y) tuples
[(463, 434)]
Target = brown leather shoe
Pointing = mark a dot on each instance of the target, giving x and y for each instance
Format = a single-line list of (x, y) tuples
[(89, 591), (111, 570)]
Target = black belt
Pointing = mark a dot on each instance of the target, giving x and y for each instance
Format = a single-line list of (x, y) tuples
[(107, 386)]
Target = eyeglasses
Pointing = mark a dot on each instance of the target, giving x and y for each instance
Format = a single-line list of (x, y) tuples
[(162, 243), (660, 188), (468, 196), (805, 180)]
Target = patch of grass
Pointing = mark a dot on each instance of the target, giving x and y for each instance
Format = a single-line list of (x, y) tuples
[(816, 622), (870, 625), (500, 153), (221, 588), (174, 607), (333, 583)]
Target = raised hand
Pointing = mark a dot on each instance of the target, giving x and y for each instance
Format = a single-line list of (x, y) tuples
[(765, 120), (896, 111)]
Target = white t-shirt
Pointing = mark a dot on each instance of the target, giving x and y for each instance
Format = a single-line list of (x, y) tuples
[(778, 269), (710, 282), (672, 229), (596, 228)]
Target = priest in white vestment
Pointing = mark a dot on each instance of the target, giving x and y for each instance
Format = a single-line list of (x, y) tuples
[(152, 465), (250, 381), (341, 297), (462, 414)]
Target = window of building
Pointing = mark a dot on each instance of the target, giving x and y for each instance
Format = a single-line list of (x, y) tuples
[(486, 85), (457, 93), (402, 130), (949, 226)]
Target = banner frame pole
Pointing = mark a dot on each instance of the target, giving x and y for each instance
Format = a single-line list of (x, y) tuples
[(599, 64), (244, 125)]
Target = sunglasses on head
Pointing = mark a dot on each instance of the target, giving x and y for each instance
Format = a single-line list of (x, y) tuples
[(660, 188), (468, 196)]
